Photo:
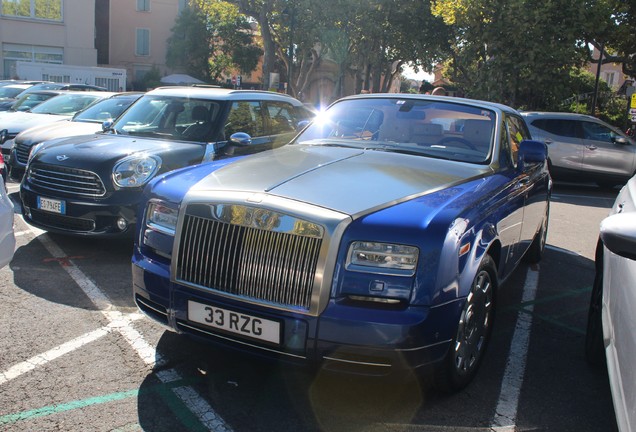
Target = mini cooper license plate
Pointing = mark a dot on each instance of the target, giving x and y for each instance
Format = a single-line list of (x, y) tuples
[(51, 205), (234, 322)]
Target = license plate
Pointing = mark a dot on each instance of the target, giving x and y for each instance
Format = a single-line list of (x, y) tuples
[(51, 205), (234, 322)]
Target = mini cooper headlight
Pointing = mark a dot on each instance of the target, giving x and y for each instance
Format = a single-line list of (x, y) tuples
[(385, 258), (161, 217), (136, 170), (36, 148)]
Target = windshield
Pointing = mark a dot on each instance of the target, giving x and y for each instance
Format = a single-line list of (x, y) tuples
[(106, 109), (30, 100), (171, 117), (430, 128), (65, 104), (10, 92)]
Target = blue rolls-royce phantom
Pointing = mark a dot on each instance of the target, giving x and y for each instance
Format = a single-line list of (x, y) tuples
[(374, 242)]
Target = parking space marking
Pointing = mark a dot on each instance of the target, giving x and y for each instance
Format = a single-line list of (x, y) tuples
[(192, 400), (508, 403), (160, 389), (42, 359), (54, 409), (54, 353)]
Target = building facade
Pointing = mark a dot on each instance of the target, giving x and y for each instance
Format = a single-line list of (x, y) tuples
[(52, 31), (133, 34)]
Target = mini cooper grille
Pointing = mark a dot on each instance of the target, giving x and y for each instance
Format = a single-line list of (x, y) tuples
[(260, 264), (69, 181)]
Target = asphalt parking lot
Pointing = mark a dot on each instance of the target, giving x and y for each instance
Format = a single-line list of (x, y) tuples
[(75, 355)]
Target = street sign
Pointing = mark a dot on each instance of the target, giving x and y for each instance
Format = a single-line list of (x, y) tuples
[(633, 101)]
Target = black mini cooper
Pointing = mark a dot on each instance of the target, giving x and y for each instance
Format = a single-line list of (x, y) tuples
[(90, 185)]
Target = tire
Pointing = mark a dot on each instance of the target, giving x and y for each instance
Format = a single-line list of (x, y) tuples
[(535, 252), (474, 328), (594, 348)]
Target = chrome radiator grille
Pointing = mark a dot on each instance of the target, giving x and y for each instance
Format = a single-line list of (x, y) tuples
[(261, 264), (66, 180)]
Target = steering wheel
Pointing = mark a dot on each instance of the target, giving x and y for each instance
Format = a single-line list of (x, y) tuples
[(462, 141)]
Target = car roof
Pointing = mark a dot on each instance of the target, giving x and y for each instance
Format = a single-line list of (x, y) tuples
[(464, 101), (18, 86), (219, 93), (558, 115)]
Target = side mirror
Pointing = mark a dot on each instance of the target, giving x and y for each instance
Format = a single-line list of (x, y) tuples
[(240, 139), (532, 152), (618, 233), (107, 125)]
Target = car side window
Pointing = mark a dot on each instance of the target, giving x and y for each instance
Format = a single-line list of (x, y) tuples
[(564, 128), (517, 132), (597, 132), (245, 116), (280, 116)]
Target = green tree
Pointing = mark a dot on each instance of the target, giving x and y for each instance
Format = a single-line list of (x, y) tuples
[(517, 52), (189, 45), (613, 31), (374, 38), (211, 39)]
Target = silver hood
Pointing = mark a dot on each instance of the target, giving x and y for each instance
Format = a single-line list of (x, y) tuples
[(350, 181), (60, 129)]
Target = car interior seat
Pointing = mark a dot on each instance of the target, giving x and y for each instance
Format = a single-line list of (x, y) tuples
[(201, 126), (426, 133), (478, 133)]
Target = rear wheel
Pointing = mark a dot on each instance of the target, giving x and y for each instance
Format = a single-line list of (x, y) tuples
[(473, 331)]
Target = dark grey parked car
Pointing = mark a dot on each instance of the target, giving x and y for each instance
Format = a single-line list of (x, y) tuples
[(582, 147)]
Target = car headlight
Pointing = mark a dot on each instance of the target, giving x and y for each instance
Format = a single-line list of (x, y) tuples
[(36, 148), (161, 218), (135, 171), (387, 258)]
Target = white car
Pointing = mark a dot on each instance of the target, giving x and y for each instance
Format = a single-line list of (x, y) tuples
[(7, 239), (611, 327), (60, 107)]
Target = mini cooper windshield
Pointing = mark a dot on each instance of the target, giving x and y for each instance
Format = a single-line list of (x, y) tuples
[(167, 117), (429, 128)]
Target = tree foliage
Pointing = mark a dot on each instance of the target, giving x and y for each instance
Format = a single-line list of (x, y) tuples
[(518, 52), (523, 53), (210, 39), (372, 38)]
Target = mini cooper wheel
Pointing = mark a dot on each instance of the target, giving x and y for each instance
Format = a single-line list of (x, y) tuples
[(473, 331)]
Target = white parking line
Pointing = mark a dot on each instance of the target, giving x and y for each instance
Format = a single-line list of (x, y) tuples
[(120, 323), (508, 404), (67, 347)]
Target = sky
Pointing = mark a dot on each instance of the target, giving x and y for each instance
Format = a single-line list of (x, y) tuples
[(410, 73)]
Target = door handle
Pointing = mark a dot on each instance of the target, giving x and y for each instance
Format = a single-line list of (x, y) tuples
[(548, 141)]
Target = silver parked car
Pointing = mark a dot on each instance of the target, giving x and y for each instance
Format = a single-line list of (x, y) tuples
[(611, 327), (582, 147), (60, 107)]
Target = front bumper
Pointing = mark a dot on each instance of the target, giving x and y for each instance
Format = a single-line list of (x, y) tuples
[(83, 216), (343, 338)]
